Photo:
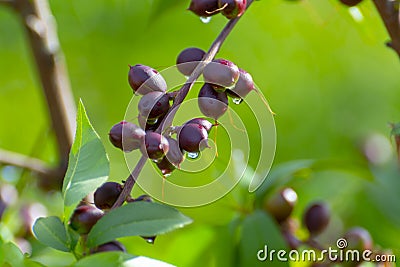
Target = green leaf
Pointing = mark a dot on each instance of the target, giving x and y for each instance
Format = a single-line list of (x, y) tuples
[(10, 254), (136, 218), (51, 232), (258, 231), (88, 164)]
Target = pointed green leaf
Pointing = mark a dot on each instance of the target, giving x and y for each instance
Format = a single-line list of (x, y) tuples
[(104, 260), (10, 255), (137, 218), (88, 164), (51, 232)]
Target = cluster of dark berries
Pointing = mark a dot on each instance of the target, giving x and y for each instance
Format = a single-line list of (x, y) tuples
[(316, 219), (222, 79), (86, 216), (350, 2), (229, 8)]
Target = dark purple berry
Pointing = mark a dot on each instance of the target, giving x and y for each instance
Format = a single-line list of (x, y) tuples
[(350, 2), (204, 8), (232, 8), (212, 104), (165, 166), (280, 205), (243, 86), (154, 105), (110, 246), (172, 159), (358, 238), (192, 137), (144, 79), (316, 218), (84, 217), (106, 195), (155, 145), (203, 122), (221, 73), (126, 136), (146, 198), (188, 60)]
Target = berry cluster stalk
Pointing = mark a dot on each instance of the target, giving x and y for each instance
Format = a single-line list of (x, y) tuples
[(208, 57)]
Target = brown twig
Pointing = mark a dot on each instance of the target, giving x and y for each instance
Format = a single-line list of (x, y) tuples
[(180, 97), (24, 162), (390, 16)]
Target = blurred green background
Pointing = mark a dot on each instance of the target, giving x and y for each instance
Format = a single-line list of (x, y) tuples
[(330, 79)]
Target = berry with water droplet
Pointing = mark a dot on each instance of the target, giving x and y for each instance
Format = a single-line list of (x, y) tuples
[(155, 145), (154, 105), (204, 8), (192, 137), (144, 79), (280, 205), (243, 86), (172, 159), (350, 2), (221, 73), (316, 217), (106, 195), (203, 122), (358, 238), (212, 104), (232, 8), (110, 246), (188, 60), (84, 217), (126, 136)]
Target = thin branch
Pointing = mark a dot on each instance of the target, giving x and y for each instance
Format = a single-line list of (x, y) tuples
[(180, 97), (390, 16), (41, 32), (9, 3), (24, 162)]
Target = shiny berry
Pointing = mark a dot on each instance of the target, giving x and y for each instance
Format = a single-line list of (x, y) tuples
[(280, 205), (110, 246), (144, 79), (203, 122), (126, 136), (232, 8), (84, 217), (155, 145), (316, 218), (154, 105), (221, 73), (350, 2), (212, 104), (106, 195), (243, 86), (192, 137), (358, 238), (165, 166), (146, 198), (188, 60), (204, 8)]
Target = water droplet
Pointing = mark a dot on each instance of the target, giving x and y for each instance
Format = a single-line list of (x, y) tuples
[(156, 160), (152, 121), (166, 173), (193, 155), (237, 100), (149, 239), (205, 19)]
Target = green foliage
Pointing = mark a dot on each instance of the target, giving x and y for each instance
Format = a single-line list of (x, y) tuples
[(137, 218), (51, 232)]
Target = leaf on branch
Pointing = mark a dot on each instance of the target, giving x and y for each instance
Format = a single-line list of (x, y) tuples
[(88, 165), (136, 218), (51, 232)]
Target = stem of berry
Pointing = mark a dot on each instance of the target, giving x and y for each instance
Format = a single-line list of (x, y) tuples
[(180, 97)]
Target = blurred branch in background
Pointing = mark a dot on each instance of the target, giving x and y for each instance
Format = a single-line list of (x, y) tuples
[(41, 32), (24, 162), (390, 15)]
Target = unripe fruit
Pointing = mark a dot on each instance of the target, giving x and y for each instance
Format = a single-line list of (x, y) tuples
[(204, 8), (232, 8), (126, 136), (358, 238), (155, 146), (243, 86), (144, 79), (188, 60), (203, 122), (281, 204), (350, 2), (84, 217), (192, 137), (221, 73), (212, 104), (110, 246), (316, 218), (154, 105), (106, 195)]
